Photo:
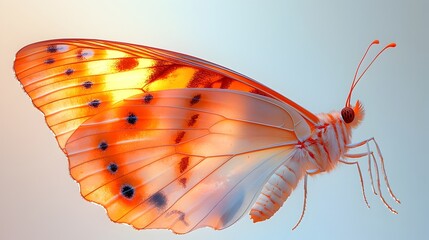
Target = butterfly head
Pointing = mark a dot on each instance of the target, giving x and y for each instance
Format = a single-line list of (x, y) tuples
[(353, 115)]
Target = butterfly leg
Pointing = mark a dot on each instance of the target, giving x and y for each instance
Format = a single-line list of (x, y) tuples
[(384, 170), (361, 179), (367, 153), (305, 202), (381, 160), (379, 189), (370, 155), (311, 173)]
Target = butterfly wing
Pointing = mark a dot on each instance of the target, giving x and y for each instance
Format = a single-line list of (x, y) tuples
[(70, 80), (182, 159)]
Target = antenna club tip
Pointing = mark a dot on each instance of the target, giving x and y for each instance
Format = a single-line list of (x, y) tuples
[(391, 45), (375, 41)]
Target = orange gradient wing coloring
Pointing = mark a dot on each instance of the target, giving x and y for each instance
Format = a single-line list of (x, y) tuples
[(71, 80), (182, 159)]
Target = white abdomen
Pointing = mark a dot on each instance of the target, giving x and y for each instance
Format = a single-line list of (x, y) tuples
[(278, 188), (319, 153)]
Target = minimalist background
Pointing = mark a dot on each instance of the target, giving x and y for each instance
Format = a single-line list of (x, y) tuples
[(307, 51)]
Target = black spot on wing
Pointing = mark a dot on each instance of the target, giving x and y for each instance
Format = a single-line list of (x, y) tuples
[(87, 84), (196, 99), (113, 167), (132, 118), (69, 72), (52, 49), (159, 200), (94, 103), (127, 191), (103, 146), (147, 98)]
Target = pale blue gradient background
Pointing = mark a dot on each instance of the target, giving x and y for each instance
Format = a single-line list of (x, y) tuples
[(306, 50)]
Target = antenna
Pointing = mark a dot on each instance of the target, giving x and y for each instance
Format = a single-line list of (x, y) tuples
[(356, 80)]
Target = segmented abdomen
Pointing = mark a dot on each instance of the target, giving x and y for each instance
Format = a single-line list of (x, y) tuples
[(319, 153), (278, 188)]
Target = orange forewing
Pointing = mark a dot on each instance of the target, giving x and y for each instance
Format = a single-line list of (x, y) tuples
[(70, 80)]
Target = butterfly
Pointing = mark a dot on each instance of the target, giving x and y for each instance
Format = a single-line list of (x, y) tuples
[(165, 140)]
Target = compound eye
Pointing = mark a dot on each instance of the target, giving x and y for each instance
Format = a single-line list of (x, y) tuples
[(348, 114)]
